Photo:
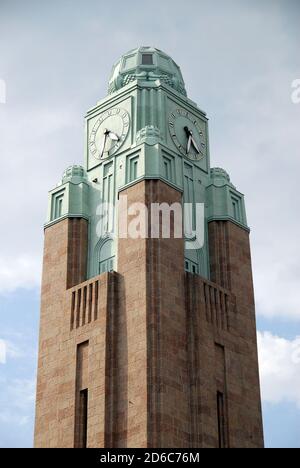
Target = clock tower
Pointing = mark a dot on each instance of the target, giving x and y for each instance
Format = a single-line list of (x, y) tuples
[(147, 339)]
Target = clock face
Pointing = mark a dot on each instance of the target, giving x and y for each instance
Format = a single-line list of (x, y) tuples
[(187, 134), (109, 133)]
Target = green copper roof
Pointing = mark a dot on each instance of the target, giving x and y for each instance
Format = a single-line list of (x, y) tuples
[(146, 64)]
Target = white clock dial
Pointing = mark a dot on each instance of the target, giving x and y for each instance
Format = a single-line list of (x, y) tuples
[(187, 134), (108, 132)]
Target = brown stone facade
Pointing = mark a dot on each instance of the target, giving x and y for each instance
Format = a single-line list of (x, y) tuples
[(149, 356)]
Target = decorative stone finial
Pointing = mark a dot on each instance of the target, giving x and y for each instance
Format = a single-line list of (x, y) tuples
[(149, 134), (76, 174), (220, 176)]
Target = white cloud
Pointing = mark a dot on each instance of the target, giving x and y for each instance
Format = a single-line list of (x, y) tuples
[(10, 350), (19, 272), (277, 290), (279, 363), (17, 398), (13, 351), (2, 91), (262, 156), (30, 163), (3, 352), (17, 389)]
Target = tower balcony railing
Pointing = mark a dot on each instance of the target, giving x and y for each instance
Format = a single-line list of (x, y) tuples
[(85, 300), (217, 304)]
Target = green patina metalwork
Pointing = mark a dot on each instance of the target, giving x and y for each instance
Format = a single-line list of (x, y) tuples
[(148, 106), (145, 64)]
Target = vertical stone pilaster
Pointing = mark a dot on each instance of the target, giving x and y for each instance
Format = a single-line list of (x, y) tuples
[(158, 406), (231, 267), (64, 264)]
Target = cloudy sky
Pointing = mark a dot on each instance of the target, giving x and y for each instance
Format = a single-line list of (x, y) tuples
[(239, 60)]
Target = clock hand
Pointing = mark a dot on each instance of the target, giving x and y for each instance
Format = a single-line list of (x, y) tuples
[(195, 145), (189, 135), (103, 144), (189, 144), (187, 131), (113, 136)]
